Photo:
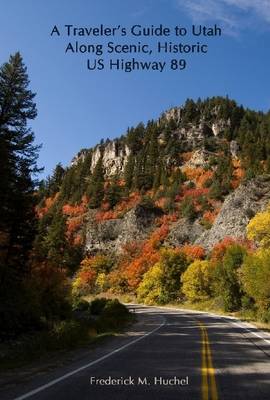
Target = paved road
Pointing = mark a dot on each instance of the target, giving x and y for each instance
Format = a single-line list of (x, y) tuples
[(168, 355)]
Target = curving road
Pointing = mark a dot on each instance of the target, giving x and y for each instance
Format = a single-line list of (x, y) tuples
[(168, 354)]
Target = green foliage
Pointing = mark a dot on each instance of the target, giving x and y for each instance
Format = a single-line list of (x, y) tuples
[(98, 305), (147, 203), (76, 179), (188, 209), (113, 193), (51, 242), (228, 284), (112, 315), (96, 190), (221, 184), (18, 156), (129, 171)]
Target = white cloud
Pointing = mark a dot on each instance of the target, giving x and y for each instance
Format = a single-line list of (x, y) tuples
[(233, 15)]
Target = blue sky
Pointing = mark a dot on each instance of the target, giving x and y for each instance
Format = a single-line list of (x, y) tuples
[(77, 107)]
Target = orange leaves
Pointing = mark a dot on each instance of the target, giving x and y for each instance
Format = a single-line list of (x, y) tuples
[(193, 173), (158, 236), (199, 175), (73, 225), (123, 206), (194, 252), (87, 276), (238, 173), (195, 193), (204, 177), (167, 218), (49, 202), (161, 202), (128, 203), (74, 211), (210, 216), (75, 220), (221, 247), (105, 215), (187, 156), (131, 249), (143, 257)]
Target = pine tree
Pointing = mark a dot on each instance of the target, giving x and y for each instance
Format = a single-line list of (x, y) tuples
[(56, 179), (18, 164), (97, 185), (129, 171)]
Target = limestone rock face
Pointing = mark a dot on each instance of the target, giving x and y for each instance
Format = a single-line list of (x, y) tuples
[(237, 210), (115, 153), (79, 157), (114, 158), (219, 126), (198, 159), (234, 148), (174, 113), (182, 232), (109, 236)]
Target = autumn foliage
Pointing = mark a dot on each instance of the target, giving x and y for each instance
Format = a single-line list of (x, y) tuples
[(193, 252), (137, 258), (49, 202)]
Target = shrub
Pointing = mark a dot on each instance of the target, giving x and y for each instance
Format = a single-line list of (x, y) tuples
[(228, 284), (255, 276), (197, 281), (80, 304), (66, 334), (161, 283), (258, 228), (97, 306), (188, 209), (113, 316)]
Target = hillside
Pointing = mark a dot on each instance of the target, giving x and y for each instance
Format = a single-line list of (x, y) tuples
[(185, 164), (184, 183)]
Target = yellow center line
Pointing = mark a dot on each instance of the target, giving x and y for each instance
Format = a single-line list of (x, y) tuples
[(209, 387)]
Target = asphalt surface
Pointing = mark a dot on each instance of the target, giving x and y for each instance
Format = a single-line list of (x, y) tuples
[(188, 355)]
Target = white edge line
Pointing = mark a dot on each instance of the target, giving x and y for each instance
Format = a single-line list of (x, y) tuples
[(230, 319), (55, 381), (249, 331)]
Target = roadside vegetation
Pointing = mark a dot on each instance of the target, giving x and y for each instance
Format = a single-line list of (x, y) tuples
[(233, 278), (87, 324)]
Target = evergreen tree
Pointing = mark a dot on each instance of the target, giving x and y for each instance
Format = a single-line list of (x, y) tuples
[(113, 193), (56, 180), (129, 170), (18, 164), (97, 185)]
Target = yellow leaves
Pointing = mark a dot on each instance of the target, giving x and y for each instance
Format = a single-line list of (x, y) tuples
[(101, 281), (255, 276), (258, 228), (150, 288), (196, 280)]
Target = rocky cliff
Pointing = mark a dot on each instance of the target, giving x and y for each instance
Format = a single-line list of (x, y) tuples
[(238, 208), (110, 236), (114, 153), (236, 212)]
